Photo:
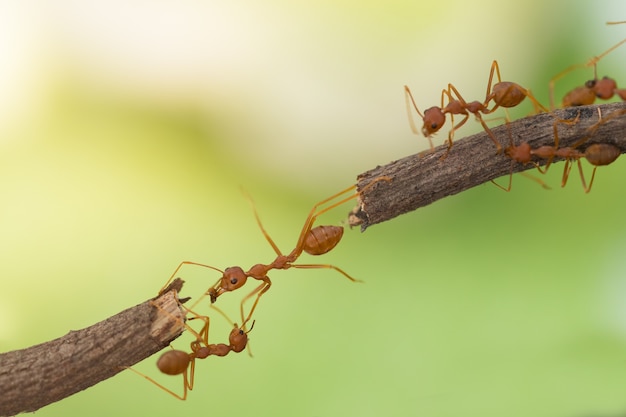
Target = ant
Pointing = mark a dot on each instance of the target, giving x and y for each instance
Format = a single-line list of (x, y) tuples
[(586, 94), (177, 362), (435, 117), (597, 154), (503, 93), (312, 240)]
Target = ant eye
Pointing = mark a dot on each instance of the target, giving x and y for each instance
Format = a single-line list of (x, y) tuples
[(434, 126), (233, 281)]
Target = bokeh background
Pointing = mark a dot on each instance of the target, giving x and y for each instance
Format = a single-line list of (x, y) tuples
[(127, 129)]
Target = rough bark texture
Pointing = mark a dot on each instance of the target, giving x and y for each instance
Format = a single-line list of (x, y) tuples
[(40, 375), (419, 180)]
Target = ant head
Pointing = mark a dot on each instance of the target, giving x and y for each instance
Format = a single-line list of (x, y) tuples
[(234, 277), (605, 88), (238, 338), (434, 119), (173, 362)]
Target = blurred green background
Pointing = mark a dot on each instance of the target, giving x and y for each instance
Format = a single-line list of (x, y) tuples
[(128, 128)]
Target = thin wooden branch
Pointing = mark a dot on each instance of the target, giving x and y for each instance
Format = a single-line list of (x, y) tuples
[(40, 375), (419, 180)]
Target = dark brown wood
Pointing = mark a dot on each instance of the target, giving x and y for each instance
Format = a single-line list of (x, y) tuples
[(419, 180), (40, 375)]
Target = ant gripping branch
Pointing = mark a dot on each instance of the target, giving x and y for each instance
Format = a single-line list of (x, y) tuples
[(178, 362), (312, 240), (597, 154), (505, 94)]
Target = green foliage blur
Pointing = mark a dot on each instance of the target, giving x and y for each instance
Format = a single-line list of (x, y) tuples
[(124, 150)]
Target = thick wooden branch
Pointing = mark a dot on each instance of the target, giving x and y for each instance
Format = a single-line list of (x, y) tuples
[(40, 375), (419, 180)]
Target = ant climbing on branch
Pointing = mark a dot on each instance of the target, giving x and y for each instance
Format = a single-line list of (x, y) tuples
[(597, 154), (604, 88), (312, 240), (177, 362), (505, 94)]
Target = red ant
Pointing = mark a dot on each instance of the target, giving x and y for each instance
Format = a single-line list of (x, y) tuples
[(503, 93), (312, 240), (597, 154), (177, 362), (435, 117), (586, 94)]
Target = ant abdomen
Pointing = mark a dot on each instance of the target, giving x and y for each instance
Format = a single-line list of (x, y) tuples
[(173, 362), (322, 239), (600, 154)]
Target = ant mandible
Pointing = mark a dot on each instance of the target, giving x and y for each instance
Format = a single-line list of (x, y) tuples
[(177, 362)]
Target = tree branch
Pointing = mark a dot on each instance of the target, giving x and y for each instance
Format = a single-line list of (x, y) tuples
[(40, 375), (419, 180)]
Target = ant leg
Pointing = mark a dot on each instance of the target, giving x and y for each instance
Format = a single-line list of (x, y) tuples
[(490, 133), (169, 391), (409, 100), (203, 335), (259, 291), (569, 122), (451, 89), (496, 68), (537, 180), (258, 221), (180, 265), (593, 175), (566, 171), (314, 266), (507, 189), (315, 213), (536, 104)]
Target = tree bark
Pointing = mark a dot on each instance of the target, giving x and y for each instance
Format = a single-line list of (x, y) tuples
[(422, 179), (40, 375)]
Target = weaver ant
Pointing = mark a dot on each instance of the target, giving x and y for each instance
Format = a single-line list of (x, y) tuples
[(503, 93), (435, 117), (604, 88), (597, 154), (312, 240), (177, 362)]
